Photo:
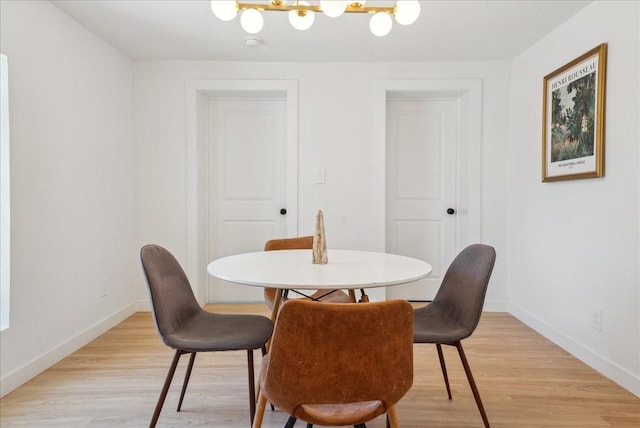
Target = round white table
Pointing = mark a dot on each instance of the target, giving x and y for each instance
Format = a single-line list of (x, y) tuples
[(347, 269), (293, 270)]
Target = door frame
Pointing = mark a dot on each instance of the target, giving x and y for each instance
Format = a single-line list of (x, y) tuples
[(468, 94), (197, 96)]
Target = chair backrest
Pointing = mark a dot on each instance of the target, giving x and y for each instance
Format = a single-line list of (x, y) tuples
[(299, 243), (172, 298), (335, 353), (464, 286)]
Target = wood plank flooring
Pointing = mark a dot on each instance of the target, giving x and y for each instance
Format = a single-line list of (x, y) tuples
[(524, 381)]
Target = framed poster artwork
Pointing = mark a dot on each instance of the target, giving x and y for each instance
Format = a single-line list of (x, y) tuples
[(573, 118)]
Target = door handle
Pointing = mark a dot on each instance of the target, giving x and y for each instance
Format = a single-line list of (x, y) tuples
[(283, 211), (451, 211)]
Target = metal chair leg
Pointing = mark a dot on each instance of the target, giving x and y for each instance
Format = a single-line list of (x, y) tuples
[(472, 384), (252, 385), (165, 388), (290, 422), (187, 376), (444, 368)]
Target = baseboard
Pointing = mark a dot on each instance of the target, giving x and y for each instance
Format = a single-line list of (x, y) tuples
[(39, 364), (495, 306), (143, 306), (611, 370)]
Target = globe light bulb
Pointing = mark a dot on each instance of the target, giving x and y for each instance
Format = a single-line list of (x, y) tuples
[(407, 11), (334, 8), (380, 24), (252, 21), (301, 19), (224, 10)]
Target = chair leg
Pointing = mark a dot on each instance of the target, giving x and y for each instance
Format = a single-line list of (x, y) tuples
[(472, 384), (187, 376), (290, 422), (252, 385), (165, 387), (262, 403), (264, 352), (444, 369), (392, 417)]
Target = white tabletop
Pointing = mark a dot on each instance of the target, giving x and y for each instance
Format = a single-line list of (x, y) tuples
[(347, 269)]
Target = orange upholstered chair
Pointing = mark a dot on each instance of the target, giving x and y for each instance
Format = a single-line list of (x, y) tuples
[(301, 243), (338, 364)]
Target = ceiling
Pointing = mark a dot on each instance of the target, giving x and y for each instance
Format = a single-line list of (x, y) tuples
[(445, 31)]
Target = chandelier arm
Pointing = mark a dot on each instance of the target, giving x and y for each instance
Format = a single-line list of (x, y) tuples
[(281, 7), (370, 9)]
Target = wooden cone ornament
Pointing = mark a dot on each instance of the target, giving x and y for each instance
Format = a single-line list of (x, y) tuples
[(320, 242)]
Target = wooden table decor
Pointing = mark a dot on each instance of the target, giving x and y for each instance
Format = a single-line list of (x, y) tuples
[(320, 242)]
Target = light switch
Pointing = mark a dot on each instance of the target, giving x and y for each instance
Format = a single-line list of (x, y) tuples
[(319, 176)]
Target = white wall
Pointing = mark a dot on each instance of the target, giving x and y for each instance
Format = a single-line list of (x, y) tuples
[(574, 244), (78, 221), (335, 133), (71, 98)]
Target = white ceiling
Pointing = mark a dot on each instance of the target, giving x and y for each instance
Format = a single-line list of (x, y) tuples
[(449, 30)]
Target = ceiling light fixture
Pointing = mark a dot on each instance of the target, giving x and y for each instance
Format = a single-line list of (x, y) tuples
[(302, 13)]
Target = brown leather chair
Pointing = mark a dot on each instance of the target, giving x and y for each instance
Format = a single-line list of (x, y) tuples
[(301, 243), (184, 326), (456, 309), (338, 364)]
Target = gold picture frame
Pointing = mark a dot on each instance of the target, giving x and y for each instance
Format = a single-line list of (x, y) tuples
[(573, 110)]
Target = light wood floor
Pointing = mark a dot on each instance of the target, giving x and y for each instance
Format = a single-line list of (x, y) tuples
[(524, 381)]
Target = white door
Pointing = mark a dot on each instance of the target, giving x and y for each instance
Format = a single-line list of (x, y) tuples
[(421, 169), (247, 183)]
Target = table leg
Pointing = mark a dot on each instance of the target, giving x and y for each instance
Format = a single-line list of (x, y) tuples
[(352, 295)]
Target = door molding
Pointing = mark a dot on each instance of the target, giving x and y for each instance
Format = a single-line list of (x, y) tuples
[(197, 94), (468, 94)]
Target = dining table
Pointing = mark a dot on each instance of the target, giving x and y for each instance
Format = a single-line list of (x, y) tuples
[(293, 271)]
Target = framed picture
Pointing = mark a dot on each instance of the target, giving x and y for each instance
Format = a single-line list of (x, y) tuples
[(573, 118)]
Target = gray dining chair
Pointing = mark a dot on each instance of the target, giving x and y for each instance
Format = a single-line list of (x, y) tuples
[(186, 327), (456, 309)]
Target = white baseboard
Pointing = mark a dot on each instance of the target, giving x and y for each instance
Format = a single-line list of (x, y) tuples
[(143, 306), (495, 306), (611, 370), (39, 364)]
